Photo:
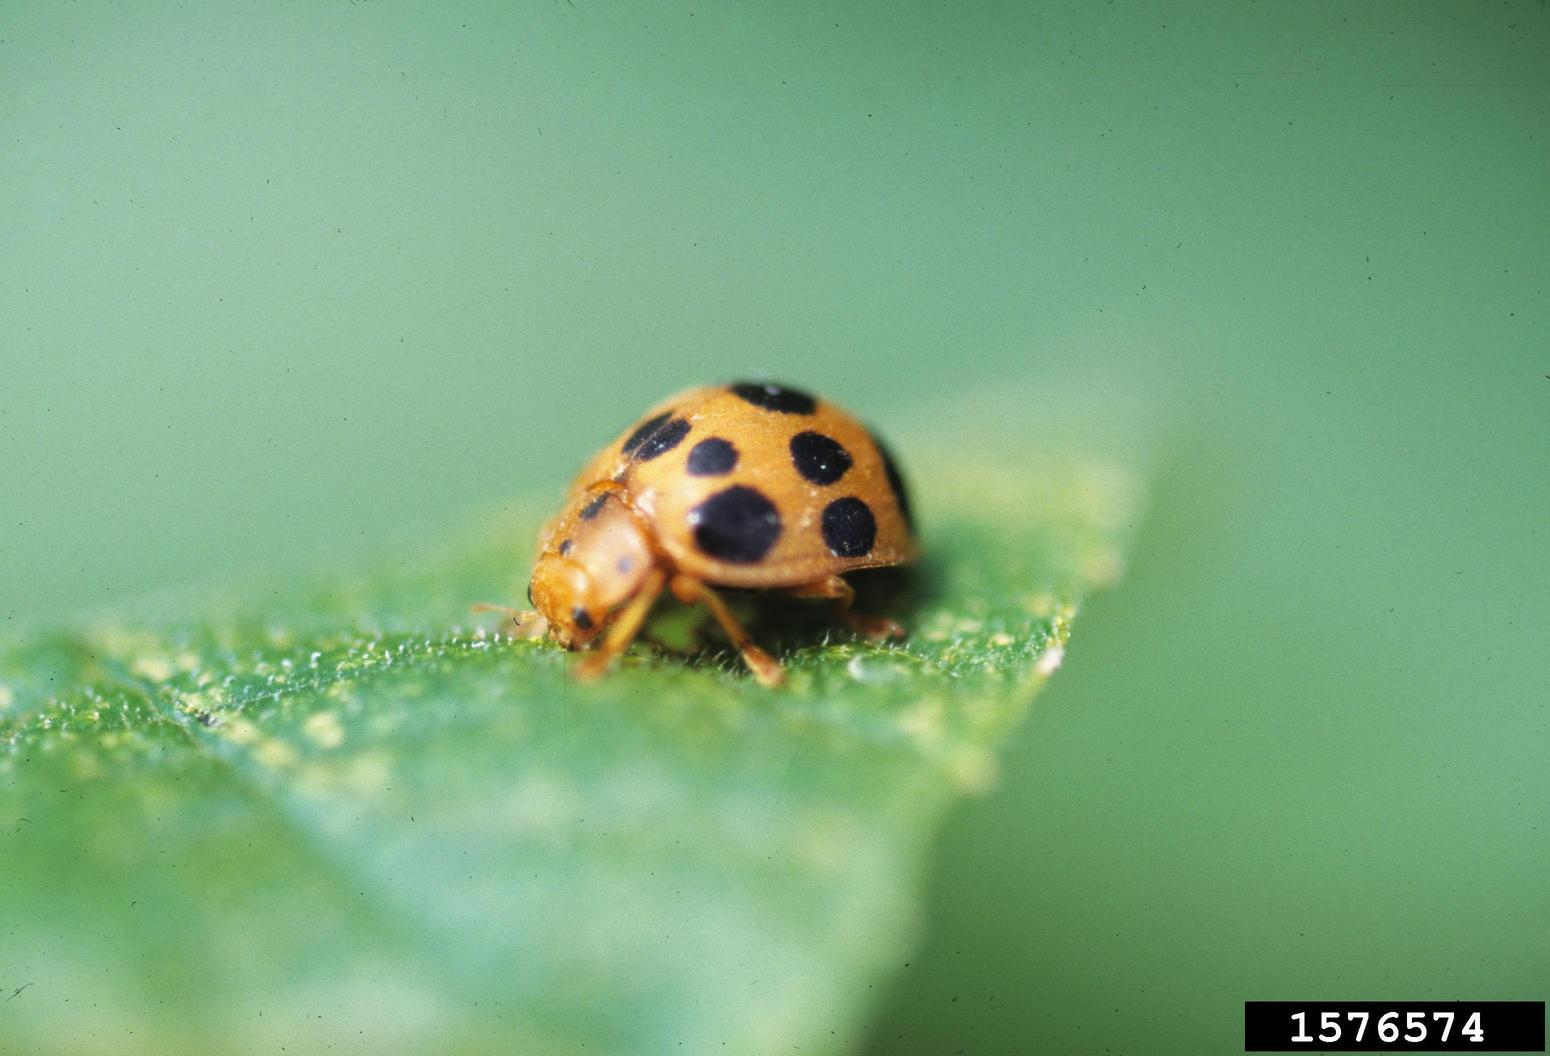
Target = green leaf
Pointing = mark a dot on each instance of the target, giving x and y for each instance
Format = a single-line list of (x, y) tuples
[(348, 816)]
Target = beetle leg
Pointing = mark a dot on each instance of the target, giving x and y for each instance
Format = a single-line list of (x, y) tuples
[(624, 627), (876, 628), (523, 624), (765, 667)]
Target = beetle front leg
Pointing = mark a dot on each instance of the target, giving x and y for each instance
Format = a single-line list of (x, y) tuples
[(524, 624), (624, 628)]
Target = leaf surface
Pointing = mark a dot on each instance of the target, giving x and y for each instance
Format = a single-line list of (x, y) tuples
[(349, 818)]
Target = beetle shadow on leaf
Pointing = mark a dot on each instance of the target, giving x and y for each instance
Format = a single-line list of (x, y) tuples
[(780, 623)]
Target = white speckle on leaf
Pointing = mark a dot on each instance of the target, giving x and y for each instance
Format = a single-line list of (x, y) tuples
[(369, 774), (924, 723), (322, 729), (1049, 661), (881, 667), (1043, 605), (240, 731), (86, 765), (273, 753), (155, 668)]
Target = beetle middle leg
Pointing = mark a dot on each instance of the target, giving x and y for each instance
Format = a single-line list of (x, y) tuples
[(875, 628), (765, 667)]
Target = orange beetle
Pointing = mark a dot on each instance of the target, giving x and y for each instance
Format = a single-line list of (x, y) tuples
[(748, 485)]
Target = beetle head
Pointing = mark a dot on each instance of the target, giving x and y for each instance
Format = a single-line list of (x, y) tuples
[(594, 559)]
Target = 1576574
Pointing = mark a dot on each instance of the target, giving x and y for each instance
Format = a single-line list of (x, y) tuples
[(1398, 1026)]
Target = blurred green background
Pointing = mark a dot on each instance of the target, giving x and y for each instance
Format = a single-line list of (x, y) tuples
[(281, 287)]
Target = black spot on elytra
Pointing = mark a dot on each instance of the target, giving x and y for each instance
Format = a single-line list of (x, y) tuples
[(581, 618), (820, 459), (895, 481), (593, 508), (565, 545), (738, 525), (848, 527), (643, 430), (775, 397), (711, 457), (663, 439)]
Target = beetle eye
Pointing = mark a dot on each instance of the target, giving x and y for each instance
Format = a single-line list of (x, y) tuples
[(580, 618)]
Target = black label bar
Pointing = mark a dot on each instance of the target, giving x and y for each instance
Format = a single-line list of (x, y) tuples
[(1394, 1026)]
